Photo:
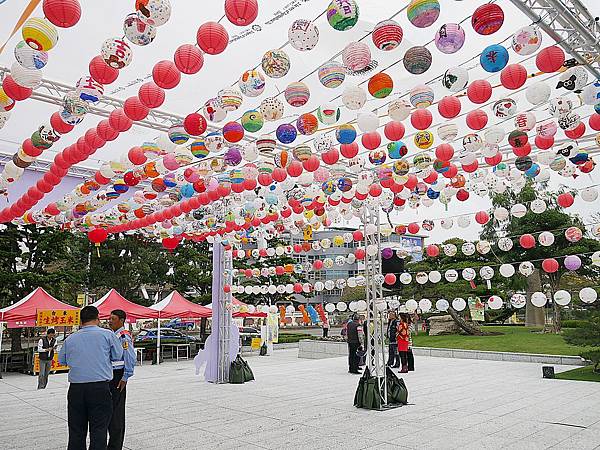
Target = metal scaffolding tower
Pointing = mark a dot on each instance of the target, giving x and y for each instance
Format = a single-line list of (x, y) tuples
[(571, 25), (225, 314), (374, 297)]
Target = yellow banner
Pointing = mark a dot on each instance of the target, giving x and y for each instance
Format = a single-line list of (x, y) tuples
[(57, 317), (255, 344), (55, 364)]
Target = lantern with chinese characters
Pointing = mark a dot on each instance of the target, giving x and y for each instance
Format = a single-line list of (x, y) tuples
[(450, 38), (342, 14), (303, 35), (116, 53)]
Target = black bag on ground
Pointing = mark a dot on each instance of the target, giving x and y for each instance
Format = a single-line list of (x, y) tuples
[(396, 389), (236, 371), (263, 350)]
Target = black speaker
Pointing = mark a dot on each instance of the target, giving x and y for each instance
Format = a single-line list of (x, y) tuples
[(548, 371)]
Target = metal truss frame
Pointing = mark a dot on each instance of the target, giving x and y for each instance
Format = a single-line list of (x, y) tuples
[(571, 25), (374, 296), (225, 313)]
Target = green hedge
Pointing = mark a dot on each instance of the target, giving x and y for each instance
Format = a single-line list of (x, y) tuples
[(574, 323), (286, 338)]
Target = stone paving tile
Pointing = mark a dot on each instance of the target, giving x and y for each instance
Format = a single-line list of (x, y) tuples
[(307, 404)]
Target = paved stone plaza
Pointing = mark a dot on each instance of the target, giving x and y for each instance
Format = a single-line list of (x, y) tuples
[(307, 404)]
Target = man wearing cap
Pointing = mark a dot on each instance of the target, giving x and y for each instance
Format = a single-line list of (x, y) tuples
[(122, 371), (89, 354)]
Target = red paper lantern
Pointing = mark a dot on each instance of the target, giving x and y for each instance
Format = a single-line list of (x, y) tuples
[(93, 140), (451, 172), (135, 109), (449, 107), (470, 168), (102, 72), (421, 119), (195, 124), (188, 59), (550, 265), (241, 12), (413, 228), (482, 217), (444, 152), (170, 243), (431, 178), (212, 38), (151, 95), (394, 130), (358, 235), (375, 190), (432, 250), (522, 151), (349, 150), (360, 253), (400, 229), (265, 179), (494, 160), (550, 59), (279, 174), (62, 13), (119, 121), (462, 195), (136, 156), (14, 90), (97, 236), (411, 181), (479, 91), (527, 241), (59, 125), (513, 76), (30, 149), (166, 75), (331, 156), (371, 140), (565, 200), (594, 122), (311, 164), (544, 143), (577, 132), (389, 279), (477, 119)]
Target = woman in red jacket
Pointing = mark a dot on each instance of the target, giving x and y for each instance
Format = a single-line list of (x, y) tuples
[(403, 339)]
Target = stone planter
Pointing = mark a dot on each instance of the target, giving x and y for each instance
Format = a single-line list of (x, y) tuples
[(313, 349)]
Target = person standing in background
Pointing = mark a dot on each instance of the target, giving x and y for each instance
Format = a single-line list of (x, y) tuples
[(89, 354), (354, 330), (325, 327), (122, 371), (402, 339), (45, 348), (393, 356)]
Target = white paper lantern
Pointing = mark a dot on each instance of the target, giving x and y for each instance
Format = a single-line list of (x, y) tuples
[(505, 244), (393, 304), (459, 304), (588, 295), (30, 78), (538, 299), (589, 194), (494, 135), (354, 97), (518, 300), (361, 305), (451, 275), (330, 307), (442, 305), (507, 270), (495, 302), (353, 306), (411, 305), (435, 276), (368, 122), (341, 306), (538, 206), (500, 214), (518, 210), (538, 93), (562, 297), (526, 268), (425, 305), (405, 278), (272, 289), (546, 238)]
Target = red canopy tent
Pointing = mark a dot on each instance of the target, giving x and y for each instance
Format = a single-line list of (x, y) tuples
[(24, 312), (175, 305), (113, 300)]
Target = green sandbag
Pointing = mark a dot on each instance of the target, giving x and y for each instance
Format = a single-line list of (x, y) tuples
[(396, 389), (247, 371), (236, 371)]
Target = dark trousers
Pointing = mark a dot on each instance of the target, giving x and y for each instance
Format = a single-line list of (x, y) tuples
[(45, 366), (411, 360), (404, 359), (352, 357), (116, 428), (89, 405), (325, 332), (393, 356)]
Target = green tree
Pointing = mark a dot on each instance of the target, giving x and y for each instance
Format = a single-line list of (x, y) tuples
[(553, 219), (587, 335)]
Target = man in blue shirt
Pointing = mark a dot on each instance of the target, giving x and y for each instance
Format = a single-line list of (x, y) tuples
[(122, 371), (89, 354)]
